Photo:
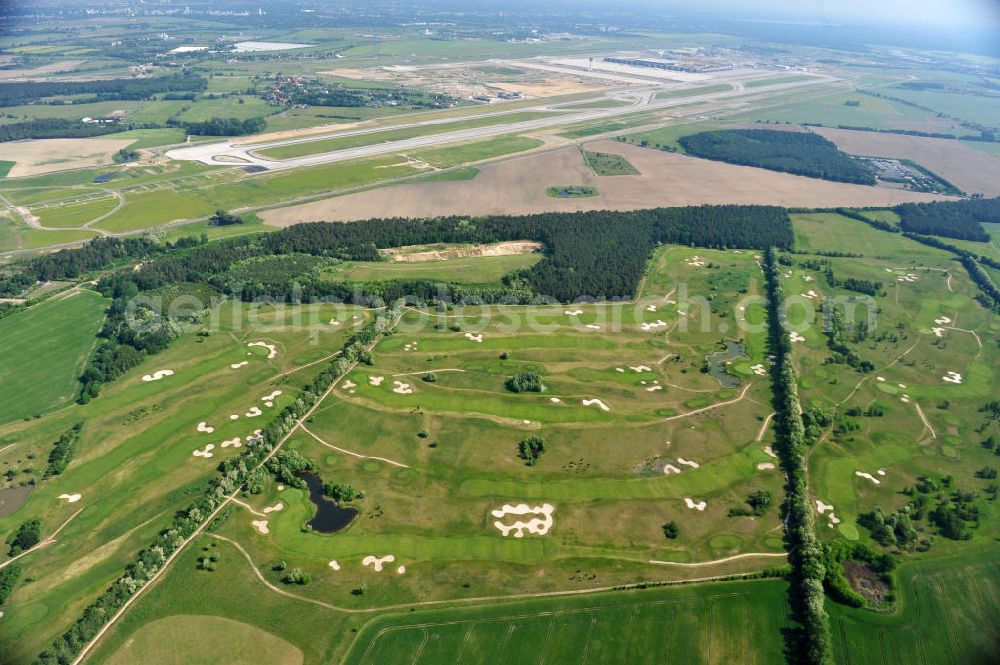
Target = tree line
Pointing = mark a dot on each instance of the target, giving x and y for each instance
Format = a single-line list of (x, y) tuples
[(806, 553), (801, 153), (221, 126), (27, 92), (951, 219)]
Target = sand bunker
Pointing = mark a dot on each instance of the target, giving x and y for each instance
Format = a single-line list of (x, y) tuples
[(670, 468), (475, 338), (376, 380), (863, 474), (880, 378), (334, 322), (795, 337), (641, 368), (402, 388), (654, 388), (157, 375), (822, 507), (808, 278), (203, 427), (261, 526), (656, 325), (231, 443), (347, 385), (938, 332), (242, 363), (377, 562), (272, 352), (537, 525), (270, 398), (602, 405), (942, 320), (411, 346), (695, 261), (650, 308), (952, 377), (769, 451), (593, 326), (810, 294), (905, 399), (253, 412), (233, 416), (685, 462), (400, 570), (555, 400), (908, 277), (333, 564), (573, 312), (276, 507), (71, 498), (764, 466), (696, 505), (205, 452), (759, 369)]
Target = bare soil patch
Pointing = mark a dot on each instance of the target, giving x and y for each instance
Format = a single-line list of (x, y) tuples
[(549, 88), (36, 72), (417, 253), (40, 156), (865, 581), (970, 170), (518, 186)]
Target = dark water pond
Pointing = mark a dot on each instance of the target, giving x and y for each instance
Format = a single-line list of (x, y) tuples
[(330, 518), (717, 363)]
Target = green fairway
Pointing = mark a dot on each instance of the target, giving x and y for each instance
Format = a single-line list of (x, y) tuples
[(44, 351)]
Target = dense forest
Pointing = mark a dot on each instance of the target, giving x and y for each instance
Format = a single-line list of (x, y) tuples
[(56, 128), (951, 219), (16, 94), (801, 153), (222, 126)]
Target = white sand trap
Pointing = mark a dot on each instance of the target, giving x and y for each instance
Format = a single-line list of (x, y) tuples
[(656, 325), (234, 416), (269, 404), (833, 519), (334, 564), (880, 378), (555, 400), (905, 399), (942, 320), (232, 443), (687, 462), (881, 472), (653, 389), (822, 507), (376, 380), (620, 369), (573, 312), (253, 412), (864, 474), (334, 322), (261, 526), (695, 261), (651, 308), (270, 398), (281, 488), (593, 326), (402, 388), (795, 337), (696, 505), (158, 374), (537, 525), (242, 363), (764, 466), (275, 508), (602, 405), (808, 278), (377, 562), (71, 498), (400, 570), (347, 385), (769, 451), (938, 332), (272, 352), (670, 468), (952, 377), (640, 368), (475, 338), (901, 385), (203, 427), (759, 369), (205, 452), (526, 422)]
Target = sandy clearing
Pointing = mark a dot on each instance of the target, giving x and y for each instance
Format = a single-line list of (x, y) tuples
[(822, 507), (599, 403), (518, 186), (205, 452), (71, 498), (240, 364), (272, 352), (968, 169), (695, 505), (418, 253), (402, 388), (653, 389), (537, 525), (158, 374), (38, 156), (234, 416), (764, 466), (377, 562), (204, 427), (261, 526), (334, 564)]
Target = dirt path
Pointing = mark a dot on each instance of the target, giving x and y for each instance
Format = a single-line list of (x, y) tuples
[(296, 369), (48, 541), (249, 508), (923, 419), (743, 394), (763, 428), (351, 452), (735, 557)]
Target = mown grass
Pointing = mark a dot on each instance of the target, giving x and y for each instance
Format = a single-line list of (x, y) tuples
[(5, 167), (482, 270), (465, 153), (44, 351), (694, 92), (74, 215), (795, 78)]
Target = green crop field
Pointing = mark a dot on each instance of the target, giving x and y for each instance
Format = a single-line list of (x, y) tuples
[(604, 163), (44, 350), (5, 168)]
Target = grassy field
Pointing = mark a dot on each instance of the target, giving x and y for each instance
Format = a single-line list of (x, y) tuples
[(399, 134), (464, 153), (44, 351), (603, 163), (481, 270), (778, 80), (694, 92), (980, 109), (5, 168)]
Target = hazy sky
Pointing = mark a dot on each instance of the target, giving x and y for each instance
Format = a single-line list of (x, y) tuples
[(981, 13)]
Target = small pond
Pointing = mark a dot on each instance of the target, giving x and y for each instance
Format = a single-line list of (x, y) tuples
[(717, 363), (330, 518)]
